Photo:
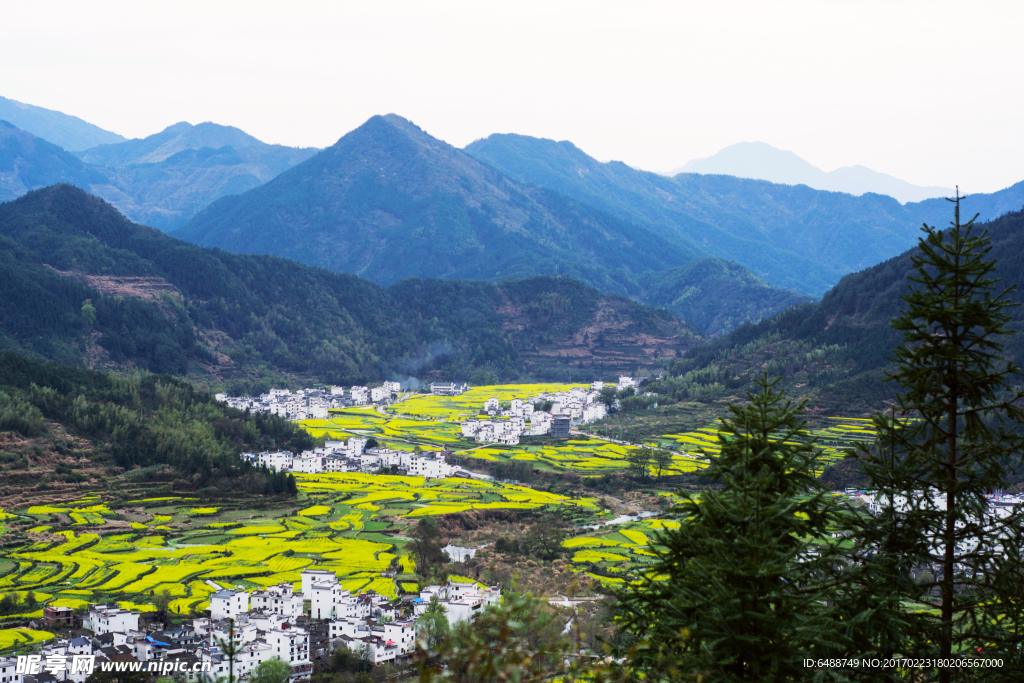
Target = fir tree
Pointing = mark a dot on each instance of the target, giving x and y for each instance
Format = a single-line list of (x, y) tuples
[(935, 465), (740, 589)]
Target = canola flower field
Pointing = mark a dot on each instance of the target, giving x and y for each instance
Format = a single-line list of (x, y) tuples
[(833, 441), (86, 551), (432, 423), (351, 524)]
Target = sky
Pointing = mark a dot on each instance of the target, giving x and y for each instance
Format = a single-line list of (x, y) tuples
[(926, 91)]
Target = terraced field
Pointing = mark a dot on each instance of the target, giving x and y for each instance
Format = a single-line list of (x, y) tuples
[(431, 422), (841, 434), (92, 550), (348, 523), (614, 555)]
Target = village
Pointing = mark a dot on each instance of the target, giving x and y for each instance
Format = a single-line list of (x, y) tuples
[(553, 414), (244, 629)]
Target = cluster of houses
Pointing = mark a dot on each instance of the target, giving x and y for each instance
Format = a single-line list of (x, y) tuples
[(312, 404), (522, 418), (353, 456), (272, 623), (502, 425), (999, 507)]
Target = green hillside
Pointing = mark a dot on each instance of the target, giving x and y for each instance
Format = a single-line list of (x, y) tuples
[(84, 420), (716, 295), (82, 284), (835, 351)]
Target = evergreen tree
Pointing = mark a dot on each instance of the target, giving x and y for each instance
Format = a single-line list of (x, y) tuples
[(937, 462), (740, 589)]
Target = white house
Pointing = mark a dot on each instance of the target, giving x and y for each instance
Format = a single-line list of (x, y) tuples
[(111, 619), (291, 645), (461, 601), (429, 466), (227, 604), (402, 634), (9, 670), (280, 599), (311, 576), (279, 461), (322, 597), (308, 463)]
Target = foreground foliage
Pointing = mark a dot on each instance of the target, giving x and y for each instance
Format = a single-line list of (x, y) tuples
[(738, 592), (954, 441)]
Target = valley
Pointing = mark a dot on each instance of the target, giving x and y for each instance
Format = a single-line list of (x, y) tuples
[(361, 404)]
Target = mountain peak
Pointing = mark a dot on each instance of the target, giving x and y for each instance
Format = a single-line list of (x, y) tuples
[(761, 161), (28, 162), (168, 142), (382, 127), (389, 201)]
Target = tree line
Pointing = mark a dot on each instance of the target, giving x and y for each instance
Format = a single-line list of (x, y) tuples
[(148, 423)]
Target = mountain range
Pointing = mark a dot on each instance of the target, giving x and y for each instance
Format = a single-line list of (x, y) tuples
[(166, 178), (793, 237), (388, 201), (81, 284), (761, 161), (835, 351), (167, 175), (65, 131), (161, 180)]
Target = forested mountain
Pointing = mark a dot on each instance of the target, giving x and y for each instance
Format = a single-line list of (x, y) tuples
[(791, 236), (166, 178), (388, 201), (69, 425), (28, 162), (761, 161), (835, 350), (65, 131), (82, 284), (716, 295)]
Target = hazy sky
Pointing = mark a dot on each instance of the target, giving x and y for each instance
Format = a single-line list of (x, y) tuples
[(927, 91)]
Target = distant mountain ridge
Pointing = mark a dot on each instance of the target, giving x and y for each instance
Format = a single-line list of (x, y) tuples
[(28, 162), (165, 179), (761, 161), (835, 350), (793, 237), (161, 181), (388, 201), (66, 131), (178, 138)]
